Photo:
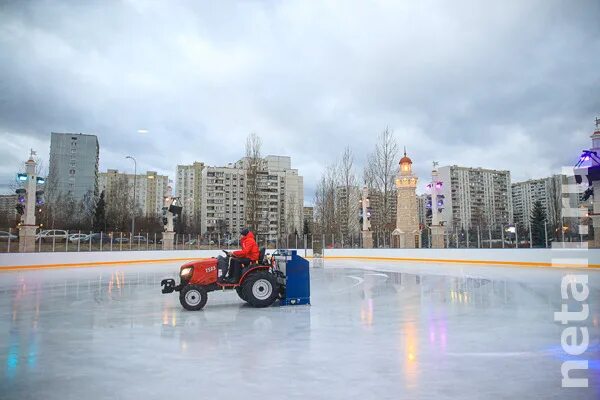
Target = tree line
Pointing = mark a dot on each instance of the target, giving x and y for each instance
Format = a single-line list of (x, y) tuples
[(339, 190), (337, 195)]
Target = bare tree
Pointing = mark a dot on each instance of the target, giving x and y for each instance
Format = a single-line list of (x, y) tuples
[(52, 214), (86, 206), (254, 167), (555, 206), (221, 227), (118, 211), (379, 175), (291, 215), (347, 194), (325, 210), (320, 209)]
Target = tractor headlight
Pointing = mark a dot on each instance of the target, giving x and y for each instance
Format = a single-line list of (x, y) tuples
[(186, 272)]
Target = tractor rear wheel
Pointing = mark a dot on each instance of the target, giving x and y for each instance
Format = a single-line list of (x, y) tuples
[(193, 297), (260, 289), (240, 292)]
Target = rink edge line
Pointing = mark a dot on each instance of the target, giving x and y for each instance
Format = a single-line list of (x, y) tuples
[(92, 264), (366, 258), (476, 262)]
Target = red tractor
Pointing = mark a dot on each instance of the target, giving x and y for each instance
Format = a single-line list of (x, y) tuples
[(260, 284)]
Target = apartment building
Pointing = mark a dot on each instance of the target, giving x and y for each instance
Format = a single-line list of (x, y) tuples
[(73, 167), (218, 196), (149, 189), (546, 190), (189, 189), (475, 197), (422, 200), (8, 203), (222, 200), (348, 209)]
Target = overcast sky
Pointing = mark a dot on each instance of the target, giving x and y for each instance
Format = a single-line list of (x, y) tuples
[(515, 85)]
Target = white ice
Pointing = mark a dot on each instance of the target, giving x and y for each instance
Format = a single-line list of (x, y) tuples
[(374, 331)]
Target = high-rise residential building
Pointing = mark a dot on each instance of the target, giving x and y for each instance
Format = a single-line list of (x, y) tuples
[(424, 219), (475, 197), (189, 189), (347, 209), (8, 211), (383, 219), (281, 196), (290, 195), (73, 167), (216, 197), (546, 190), (222, 200), (150, 189)]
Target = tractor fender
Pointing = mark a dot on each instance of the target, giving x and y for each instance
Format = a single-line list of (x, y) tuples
[(251, 270)]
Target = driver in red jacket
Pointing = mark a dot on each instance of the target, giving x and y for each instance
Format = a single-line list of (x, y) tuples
[(246, 256)]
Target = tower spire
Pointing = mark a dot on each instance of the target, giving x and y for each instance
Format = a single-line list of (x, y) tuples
[(405, 148)]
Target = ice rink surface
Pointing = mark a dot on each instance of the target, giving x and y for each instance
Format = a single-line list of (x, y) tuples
[(374, 331)]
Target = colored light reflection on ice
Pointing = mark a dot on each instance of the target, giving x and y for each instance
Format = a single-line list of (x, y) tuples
[(410, 349), (33, 352), (437, 333), (12, 360), (366, 312)]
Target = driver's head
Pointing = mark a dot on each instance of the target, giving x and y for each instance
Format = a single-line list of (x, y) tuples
[(244, 231)]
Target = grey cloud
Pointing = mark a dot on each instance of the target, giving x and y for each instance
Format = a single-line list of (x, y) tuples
[(511, 85)]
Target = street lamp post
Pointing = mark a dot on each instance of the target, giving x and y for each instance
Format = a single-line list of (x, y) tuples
[(134, 189)]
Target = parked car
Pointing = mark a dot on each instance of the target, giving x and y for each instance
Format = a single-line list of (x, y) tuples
[(141, 239), (191, 242), (57, 235), (79, 237), (121, 240), (4, 236), (232, 242), (97, 237)]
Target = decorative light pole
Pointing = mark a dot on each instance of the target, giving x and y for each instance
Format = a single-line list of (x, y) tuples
[(366, 232), (28, 198), (134, 190), (167, 219), (587, 173), (437, 205)]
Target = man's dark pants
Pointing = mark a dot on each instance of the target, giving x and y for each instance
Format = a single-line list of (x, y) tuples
[(236, 267)]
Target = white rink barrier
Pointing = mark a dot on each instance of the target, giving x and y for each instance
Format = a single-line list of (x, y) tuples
[(19, 261), (562, 258), (96, 258)]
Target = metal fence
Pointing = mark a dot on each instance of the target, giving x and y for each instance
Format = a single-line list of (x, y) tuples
[(78, 241), (57, 240)]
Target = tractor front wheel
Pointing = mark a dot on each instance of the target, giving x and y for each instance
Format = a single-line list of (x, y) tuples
[(260, 289), (193, 297)]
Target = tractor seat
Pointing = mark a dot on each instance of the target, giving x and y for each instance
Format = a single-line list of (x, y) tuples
[(260, 261), (261, 256)]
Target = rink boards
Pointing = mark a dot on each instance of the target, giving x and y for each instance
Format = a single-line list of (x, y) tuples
[(544, 258)]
